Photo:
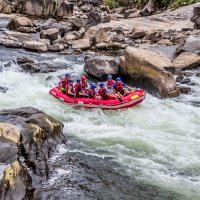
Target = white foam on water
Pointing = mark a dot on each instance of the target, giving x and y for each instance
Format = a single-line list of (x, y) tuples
[(156, 142)]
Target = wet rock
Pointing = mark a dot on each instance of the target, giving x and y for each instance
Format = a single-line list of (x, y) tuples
[(147, 69), (19, 22), (138, 33), (187, 60), (129, 12), (186, 81), (35, 46), (51, 34), (30, 135), (55, 47), (11, 43), (198, 75), (100, 67), (196, 17), (27, 29), (191, 44), (3, 89), (187, 74), (83, 44), (179, 39), (185, 90), (148, 9)]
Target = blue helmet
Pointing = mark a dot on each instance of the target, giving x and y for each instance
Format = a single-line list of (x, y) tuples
[(78, 80), (71, 81), (118, 79), (93, 85), (101, 85), (109, 77)]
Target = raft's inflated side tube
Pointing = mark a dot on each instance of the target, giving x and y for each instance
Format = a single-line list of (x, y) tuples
[(130, 100)]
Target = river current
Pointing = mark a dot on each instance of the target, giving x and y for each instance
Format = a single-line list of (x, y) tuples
[(156, 143)]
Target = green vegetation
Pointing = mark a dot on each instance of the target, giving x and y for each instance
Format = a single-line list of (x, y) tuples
[(141, 3)]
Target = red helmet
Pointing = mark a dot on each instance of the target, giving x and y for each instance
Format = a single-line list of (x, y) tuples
[(83, 78)]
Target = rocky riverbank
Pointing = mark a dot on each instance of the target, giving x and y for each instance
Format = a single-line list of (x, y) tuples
[(27, 139), (94, 27)]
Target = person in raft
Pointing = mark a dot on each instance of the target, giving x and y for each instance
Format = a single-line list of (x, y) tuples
[(62, 84), (103, 92), (92, 92), (78, 89), (119, 87), (69, 89), (110, 83), (83, 83)]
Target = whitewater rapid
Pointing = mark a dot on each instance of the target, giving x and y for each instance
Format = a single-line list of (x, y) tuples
[(156, 142)]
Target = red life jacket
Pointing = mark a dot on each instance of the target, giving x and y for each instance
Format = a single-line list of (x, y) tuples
[(67, 88), (83, 85), (119, 87), (63, 83), (110, 83), (102, 93), (91, 93), (77, 88)]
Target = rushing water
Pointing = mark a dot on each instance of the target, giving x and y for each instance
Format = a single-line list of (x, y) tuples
[(156, 143)]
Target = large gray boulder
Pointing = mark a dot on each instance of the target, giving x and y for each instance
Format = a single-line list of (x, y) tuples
[(100, 66), (147, 69)]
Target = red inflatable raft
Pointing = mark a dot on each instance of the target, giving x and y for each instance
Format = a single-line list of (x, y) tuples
[(128, 101)]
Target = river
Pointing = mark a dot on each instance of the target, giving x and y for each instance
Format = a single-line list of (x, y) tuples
[(150, 151)]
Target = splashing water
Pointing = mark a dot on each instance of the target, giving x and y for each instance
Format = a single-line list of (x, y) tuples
[(156, 142)]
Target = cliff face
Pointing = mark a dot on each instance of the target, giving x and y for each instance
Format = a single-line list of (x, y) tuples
[(27, 138), (45, 8)]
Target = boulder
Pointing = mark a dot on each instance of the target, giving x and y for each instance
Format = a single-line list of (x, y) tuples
[(51, 34), (147, 69), (77, 24), (148, 9), (47, 8), (19, 22), (83, 44), (101, 36), (69, 37), (55, 47), (26, 135), (35, 46), (196, 17), (31, 66), (27, 29), (3, 89), (100, 66), (65, 9), (116, 37), (138, 33), (94, 18), (129, 12), (153, 36), (187, 60), (165, 42), (191, 44)]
